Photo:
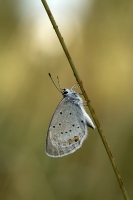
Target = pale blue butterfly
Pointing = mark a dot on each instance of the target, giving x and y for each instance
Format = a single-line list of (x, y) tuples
[(68, 126)]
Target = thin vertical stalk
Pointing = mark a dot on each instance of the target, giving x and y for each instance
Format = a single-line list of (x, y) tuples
[(112, 160)]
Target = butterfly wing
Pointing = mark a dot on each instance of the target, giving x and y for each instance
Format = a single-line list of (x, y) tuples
[(67, 129)]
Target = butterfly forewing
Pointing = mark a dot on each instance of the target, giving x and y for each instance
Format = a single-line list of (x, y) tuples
[(67, 129)]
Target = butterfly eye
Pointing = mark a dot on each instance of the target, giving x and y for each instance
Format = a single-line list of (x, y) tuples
[(65, 92)]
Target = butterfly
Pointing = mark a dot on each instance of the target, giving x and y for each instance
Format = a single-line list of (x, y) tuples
[(68, 126)]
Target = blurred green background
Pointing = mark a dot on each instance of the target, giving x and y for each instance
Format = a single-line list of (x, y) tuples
[(99, 35)]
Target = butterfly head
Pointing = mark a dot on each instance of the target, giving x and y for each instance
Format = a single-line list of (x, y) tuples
[(66, 92), (71, 94)]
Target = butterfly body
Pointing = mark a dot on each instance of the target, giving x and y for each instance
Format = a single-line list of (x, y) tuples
[(68, 126)]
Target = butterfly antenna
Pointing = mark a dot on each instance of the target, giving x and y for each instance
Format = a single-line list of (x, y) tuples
[(54, 83), (59, 84)]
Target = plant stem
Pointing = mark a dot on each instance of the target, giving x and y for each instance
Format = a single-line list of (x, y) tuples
[(123, 189)]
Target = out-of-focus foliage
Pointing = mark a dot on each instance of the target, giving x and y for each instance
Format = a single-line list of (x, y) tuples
[(102, 49)]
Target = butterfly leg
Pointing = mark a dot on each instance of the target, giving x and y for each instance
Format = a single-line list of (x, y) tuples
[(75, 86)]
